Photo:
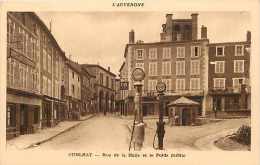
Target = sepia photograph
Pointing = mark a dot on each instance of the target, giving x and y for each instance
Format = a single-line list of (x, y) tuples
[(127, 82), (176, 81)]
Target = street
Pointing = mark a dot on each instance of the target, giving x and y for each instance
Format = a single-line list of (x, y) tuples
[(103, 133), (97, 134)]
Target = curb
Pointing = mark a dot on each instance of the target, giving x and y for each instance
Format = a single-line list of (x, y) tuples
[(51, 137), (211, 146)]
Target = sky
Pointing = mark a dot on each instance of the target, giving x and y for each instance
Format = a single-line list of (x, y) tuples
[(100, 37)]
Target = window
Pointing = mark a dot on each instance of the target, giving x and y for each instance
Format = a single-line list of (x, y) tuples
[(195, 51), (180, 84), (166, 68), (10, 72), (153, 68), (237, 82), (239, 50), (101, 78), (195, 67), (166, 53), (139, 54), (180, 52), (220, 51), (238, 66), (179, 37), (112, 83), (10, 116), (72, 74), (78, 79), (168, 84), (107, 81), (194, 83), (180, 67), (219, 83), (25, 77), (219, 66), (139, 65), (152, 53), (49, 63), (21, 76), (152, 85), (73, 89), (44, 62)]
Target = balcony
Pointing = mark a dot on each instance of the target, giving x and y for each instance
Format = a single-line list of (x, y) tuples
[(169, 93), (230, 90)]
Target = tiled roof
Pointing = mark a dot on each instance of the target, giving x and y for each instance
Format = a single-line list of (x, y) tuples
[(183, 101)]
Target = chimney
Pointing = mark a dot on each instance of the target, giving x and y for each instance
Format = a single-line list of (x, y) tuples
[(194, 17), (131, 37), (108, 68), (203, 32), (169, 27), (248, 36)]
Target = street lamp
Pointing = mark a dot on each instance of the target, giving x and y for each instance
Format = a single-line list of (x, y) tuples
[(160, 88), (138, 133)]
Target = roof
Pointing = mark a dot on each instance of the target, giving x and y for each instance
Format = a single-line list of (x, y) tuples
[(98, 66), (183, 101), (122, 66), (74, 66), (182, 20), (87, 71), (229, 43), (48, 33)]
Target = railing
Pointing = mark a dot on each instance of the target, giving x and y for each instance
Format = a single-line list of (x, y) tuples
[(169, 93), (230, 90)]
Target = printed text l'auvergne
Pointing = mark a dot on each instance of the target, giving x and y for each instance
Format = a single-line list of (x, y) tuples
[(128, 4)]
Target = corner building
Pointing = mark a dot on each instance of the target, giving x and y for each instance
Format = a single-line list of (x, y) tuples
[(35, 75), (179, 59)]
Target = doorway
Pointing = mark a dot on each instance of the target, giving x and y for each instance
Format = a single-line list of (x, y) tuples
[(23, 119)]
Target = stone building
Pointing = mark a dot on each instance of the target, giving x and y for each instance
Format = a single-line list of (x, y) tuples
[(87, 92), (229, 77), (74, 89), (179, 60), (184, 62), (35, 74), (124, 97), (104, 87)]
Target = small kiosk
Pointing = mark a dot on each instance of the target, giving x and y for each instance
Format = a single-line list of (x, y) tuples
[(183, 111)]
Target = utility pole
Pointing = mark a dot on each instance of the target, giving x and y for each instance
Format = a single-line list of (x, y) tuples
[(160, 87)]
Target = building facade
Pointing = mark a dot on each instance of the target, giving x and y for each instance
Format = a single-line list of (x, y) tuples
[(23, 75), (74, 90), (179, 60), (229, 77), (87, 92), (185, 64), (34, 75), (104, 88), (124, 97)]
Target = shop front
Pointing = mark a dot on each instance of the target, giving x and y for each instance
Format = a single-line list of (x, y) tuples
[(22, 113)]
